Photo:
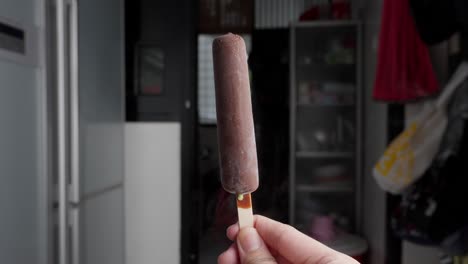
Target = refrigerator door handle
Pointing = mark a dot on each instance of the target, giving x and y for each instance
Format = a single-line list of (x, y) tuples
[(62, 137), (75, 235), (74, 201), (74, 104)]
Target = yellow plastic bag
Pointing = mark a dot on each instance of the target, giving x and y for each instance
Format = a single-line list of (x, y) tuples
[(410, 154)]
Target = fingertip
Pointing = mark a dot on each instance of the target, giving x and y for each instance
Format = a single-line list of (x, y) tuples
[(251, 247), (249, 239), (258, 219), (223, 258), (230, 256), (232, 231)]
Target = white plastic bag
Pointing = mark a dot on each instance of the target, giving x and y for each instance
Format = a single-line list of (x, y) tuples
[(409, 155)]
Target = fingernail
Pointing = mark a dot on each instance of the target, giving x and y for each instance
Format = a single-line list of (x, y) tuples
[(249, 240)]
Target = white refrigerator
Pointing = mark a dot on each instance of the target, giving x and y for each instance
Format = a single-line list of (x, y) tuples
[(86, 50), (62, 132)]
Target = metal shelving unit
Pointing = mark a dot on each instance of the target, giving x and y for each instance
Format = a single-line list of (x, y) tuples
[(325, 121), (325, 105), (324, 188), (319, 154)]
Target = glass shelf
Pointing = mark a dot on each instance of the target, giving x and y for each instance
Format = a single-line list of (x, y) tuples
[(325, 188), (324, 154), (325, 105), (320, 68), (307, 75)]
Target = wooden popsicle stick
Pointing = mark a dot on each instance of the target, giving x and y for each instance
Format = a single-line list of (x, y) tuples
[(244, 210)]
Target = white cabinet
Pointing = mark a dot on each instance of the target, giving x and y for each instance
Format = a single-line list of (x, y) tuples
[(152, 192)]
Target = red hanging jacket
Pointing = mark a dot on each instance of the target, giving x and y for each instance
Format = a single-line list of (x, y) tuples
[(404, 69)]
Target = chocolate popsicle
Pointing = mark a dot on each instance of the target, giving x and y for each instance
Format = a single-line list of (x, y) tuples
[(236, 136)]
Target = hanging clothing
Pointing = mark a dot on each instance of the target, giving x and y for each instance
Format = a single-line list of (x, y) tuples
[(438, 20), (435, 19), (404, 70), (434, 211), (411, 153)]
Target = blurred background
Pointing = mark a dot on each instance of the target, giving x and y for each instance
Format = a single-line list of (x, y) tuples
[(108, 136)]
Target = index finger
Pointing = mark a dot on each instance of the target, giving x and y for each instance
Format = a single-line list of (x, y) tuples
[(293, 245)]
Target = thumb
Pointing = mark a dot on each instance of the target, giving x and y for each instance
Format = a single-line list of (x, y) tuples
[(252, 249)]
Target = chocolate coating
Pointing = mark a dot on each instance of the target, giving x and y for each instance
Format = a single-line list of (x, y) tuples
[(236, 136)]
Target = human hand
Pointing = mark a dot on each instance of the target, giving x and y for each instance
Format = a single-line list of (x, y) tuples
[(272, 242)]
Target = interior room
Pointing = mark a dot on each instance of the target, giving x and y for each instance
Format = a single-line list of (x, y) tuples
[(128, 127)]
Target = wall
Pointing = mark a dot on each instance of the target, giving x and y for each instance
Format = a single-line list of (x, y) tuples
[(23, 212), (152, 194), (375, 138)]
